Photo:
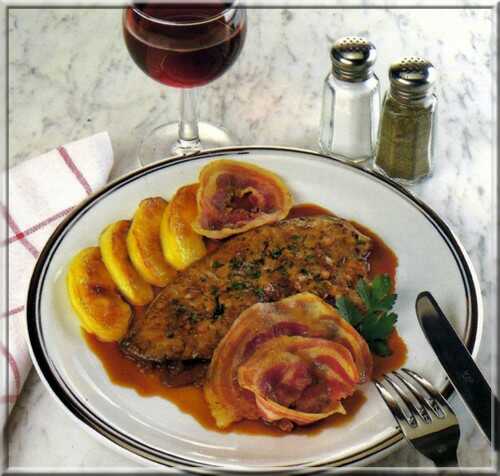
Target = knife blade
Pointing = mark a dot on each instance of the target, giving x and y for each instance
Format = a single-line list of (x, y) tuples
[(458, 365)]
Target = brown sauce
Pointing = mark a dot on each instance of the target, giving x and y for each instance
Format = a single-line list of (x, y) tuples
[(382, 258), (383, 365), (148, 383), (189, 399)]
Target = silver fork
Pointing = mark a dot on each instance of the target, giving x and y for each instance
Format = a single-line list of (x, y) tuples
[(425, 418)]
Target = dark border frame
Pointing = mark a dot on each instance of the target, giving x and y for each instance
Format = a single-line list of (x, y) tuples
[(78, 408)]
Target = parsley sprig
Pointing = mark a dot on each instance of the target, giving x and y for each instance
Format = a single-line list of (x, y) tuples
[(377, 322)]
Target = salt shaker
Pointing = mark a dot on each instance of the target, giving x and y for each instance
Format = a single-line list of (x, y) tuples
[(406, 136), (351, 101)]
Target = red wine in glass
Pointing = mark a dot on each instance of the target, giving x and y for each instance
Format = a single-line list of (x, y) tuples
[(184, 45)]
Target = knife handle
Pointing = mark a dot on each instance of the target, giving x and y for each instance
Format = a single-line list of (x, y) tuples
[(453, 355), (496, 416)]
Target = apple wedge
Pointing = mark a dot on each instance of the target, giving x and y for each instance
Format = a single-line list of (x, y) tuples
[(181, 245), (95, 298), (144, 244), (113, 244)]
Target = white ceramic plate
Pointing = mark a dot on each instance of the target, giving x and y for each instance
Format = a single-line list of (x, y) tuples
[(430, 258)]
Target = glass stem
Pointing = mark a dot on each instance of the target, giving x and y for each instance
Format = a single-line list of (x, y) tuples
[(189, 139)]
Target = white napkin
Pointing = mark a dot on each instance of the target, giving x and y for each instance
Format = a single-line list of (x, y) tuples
[(42, 191)]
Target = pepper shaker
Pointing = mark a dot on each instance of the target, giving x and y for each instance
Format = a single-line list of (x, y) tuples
[(406, 136), (351, 101)]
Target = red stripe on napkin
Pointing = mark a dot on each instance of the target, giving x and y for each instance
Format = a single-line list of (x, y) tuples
[(79, 176), (13, 366), (18, 233), (11, 312), (38, 226), (8, 398)]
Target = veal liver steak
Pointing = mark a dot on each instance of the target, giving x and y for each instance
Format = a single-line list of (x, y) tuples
[(323, 255)]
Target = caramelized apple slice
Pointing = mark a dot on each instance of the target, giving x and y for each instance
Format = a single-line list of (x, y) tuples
[(113, 244), (299, 379), (95, 298), (235, 197), (181, 245), (144, 244), (303, 315)]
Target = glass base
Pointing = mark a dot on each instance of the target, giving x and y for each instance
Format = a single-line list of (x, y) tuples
[(164, 142), (361, 160), (402, 181)]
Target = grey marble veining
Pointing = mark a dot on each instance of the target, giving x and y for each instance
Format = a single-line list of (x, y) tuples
[(70, 76)]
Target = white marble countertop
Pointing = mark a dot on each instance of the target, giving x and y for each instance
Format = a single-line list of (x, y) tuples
[(70, 76)]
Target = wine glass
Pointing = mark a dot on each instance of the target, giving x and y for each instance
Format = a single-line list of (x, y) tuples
[(184, 45)]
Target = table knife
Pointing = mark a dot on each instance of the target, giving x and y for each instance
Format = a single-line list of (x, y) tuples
[(459, 365)]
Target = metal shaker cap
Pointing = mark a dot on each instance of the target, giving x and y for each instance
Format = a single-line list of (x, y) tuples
[(412, 77), (352, 58)]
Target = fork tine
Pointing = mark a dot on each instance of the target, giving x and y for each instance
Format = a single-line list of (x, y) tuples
[(427, 405), (437, 402), (402, 392), (393, 406), (409, 393)]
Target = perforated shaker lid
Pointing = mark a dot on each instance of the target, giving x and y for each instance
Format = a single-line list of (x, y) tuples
[(412, 77), (352, 58)]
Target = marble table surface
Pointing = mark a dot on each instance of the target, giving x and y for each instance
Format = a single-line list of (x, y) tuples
[(70, 76)]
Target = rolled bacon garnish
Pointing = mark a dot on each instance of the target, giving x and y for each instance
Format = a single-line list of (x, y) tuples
[(234, 197), (299, 379), (303, 315)]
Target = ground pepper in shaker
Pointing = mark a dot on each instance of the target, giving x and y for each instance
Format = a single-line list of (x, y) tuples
[(405, 139), (351, 101)]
